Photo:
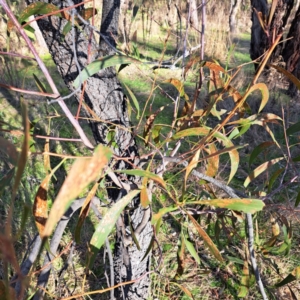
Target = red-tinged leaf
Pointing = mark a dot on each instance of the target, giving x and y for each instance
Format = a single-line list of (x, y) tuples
[(107, 223), (295, 275), (102, 63), (245, 281), (9, 150), (85, 211), (146, 174), (144, 193), (192, 165), (214, 67), (258, 149), (207, 240), (149, 124), (87, 13), (178, 85), (245, 205), (263, 167), (40, 207), (212, 162), (82, 173)]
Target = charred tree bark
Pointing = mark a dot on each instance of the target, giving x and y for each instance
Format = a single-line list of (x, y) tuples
[(262, 39), (258, 44), (105, 97), (291, 52)]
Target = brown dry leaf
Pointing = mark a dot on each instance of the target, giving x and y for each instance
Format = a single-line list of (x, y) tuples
[(82, 173)]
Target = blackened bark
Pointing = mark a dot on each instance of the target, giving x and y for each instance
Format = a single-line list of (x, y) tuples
[(261, 40), (291, 52), (105, 97)]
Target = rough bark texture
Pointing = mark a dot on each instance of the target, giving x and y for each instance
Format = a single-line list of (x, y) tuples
[(291, 53), (262, 40), (105, 97)]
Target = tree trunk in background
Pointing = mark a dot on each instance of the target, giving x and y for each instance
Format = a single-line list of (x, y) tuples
[(291, 52), (105, 97), (234, 8), (193, 7)]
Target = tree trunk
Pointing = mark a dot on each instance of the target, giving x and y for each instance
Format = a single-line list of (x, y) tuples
[(234, 8), (193, 7), (258, 44), (261, 40), (291, 52), (105, 97)]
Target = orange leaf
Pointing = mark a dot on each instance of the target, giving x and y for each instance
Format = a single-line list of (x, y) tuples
[(82, 173), (40, 207)]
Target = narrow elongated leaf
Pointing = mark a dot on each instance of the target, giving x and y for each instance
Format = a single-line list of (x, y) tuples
[(107, 223), (184, 289), (295, 275), (156, 217), (84, 211), (144, 193), (293, 129), (244, 205), (38, 8), (180, 257), (40, 207), (192, 165), (102, 63), (134, 100), (258, 149), (82, 173), (263, 167), (212, 162), (245, 281), (273, 179), (289, 75), (143, 173), (192, 250), (207, 240), (10, 150), (178, 85), (202, 131)]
